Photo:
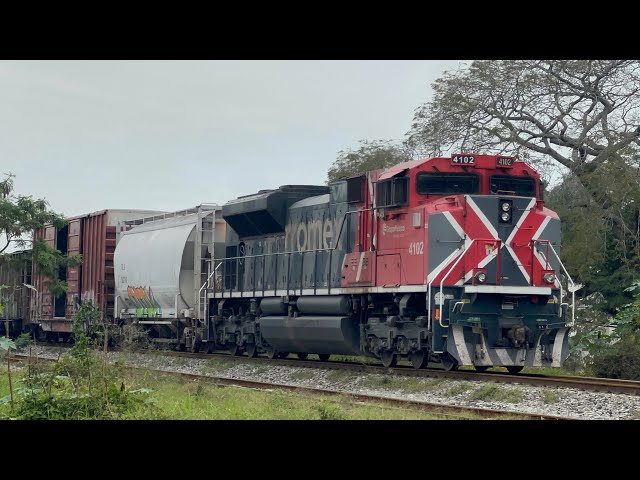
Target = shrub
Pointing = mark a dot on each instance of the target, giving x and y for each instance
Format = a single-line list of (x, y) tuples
[(621, 360), (81, 385)]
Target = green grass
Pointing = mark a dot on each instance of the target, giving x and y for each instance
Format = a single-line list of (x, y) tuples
[(353, 358), (408, 384), (183, 399), (548, 371), (303, 374), (550, 396), (635, 415), (341, 376), (258, 369), (460, 388), (493, 392)]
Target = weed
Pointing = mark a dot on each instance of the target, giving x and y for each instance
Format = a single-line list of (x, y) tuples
[(459, 388), (341, 376), (303, 374), (329, 411), (492, 392), (391, 382), (550, 396)]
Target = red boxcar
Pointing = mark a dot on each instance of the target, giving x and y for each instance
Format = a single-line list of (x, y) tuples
[(94, 236)]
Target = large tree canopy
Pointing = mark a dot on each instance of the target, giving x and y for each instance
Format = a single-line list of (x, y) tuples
[(579, 113), (371, 155)]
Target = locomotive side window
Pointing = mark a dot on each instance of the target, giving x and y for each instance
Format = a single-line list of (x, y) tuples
[(393, 192), (520, 186), (447, 183)]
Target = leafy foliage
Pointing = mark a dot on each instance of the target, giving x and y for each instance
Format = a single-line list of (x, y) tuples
[(81, 385), (20, 215), (6, 344), (371, 155), (621, 360)]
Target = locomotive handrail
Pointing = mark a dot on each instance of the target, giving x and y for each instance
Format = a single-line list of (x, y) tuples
[(429, 295), (276, 254), (569, 279), (445, 277)]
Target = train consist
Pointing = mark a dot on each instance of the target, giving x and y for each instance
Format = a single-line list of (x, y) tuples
[(450, 260)]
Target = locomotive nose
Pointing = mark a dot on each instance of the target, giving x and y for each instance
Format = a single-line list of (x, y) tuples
[(503, 228)]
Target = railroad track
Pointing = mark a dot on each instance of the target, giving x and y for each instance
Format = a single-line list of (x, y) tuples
[(592, 384), (440, 409)]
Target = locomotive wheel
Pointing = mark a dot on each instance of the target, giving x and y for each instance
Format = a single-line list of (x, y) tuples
[(481, 368), (324, 356), (448, 362), (513, 369), (252, 350), (283, 354), (272, 354), (389, 358), (234, 349), (419, 359), (210, 347), (303, 356)]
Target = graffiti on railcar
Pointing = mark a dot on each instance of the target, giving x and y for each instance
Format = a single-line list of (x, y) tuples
[(144, 302)]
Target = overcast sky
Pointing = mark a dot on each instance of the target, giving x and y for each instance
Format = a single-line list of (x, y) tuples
[(167, 135)]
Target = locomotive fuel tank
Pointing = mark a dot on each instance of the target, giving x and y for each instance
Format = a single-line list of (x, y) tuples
[(312, 334)]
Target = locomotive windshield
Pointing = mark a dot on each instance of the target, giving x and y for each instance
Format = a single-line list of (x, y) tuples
[(520, 186), (447, 183)]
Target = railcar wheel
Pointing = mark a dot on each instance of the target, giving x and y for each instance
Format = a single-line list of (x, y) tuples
[(419, 359), (234, 349), (448, 362), (481, 368), (324, 356), (303, 356), (252, 350), (271, 354), (283, 354), (513, 369), (389, 359)]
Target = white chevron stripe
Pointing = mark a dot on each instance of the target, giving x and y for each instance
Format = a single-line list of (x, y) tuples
[(456, 253), (517, 262), (482, 217), (539, 255), (461, 346), (521, 221), (436, 271)]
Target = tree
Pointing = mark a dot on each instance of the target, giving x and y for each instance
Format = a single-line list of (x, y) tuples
[(20, 217), (371, 155), (576, 114)]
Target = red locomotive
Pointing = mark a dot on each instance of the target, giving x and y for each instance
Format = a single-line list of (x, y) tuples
[(452, 260)]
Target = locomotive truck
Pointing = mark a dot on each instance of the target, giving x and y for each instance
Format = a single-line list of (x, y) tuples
[(451, 260)]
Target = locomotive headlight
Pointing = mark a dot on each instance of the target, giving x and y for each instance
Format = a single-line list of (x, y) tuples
[(505, 216), (505, 206), (481, 277), (549, 277)]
